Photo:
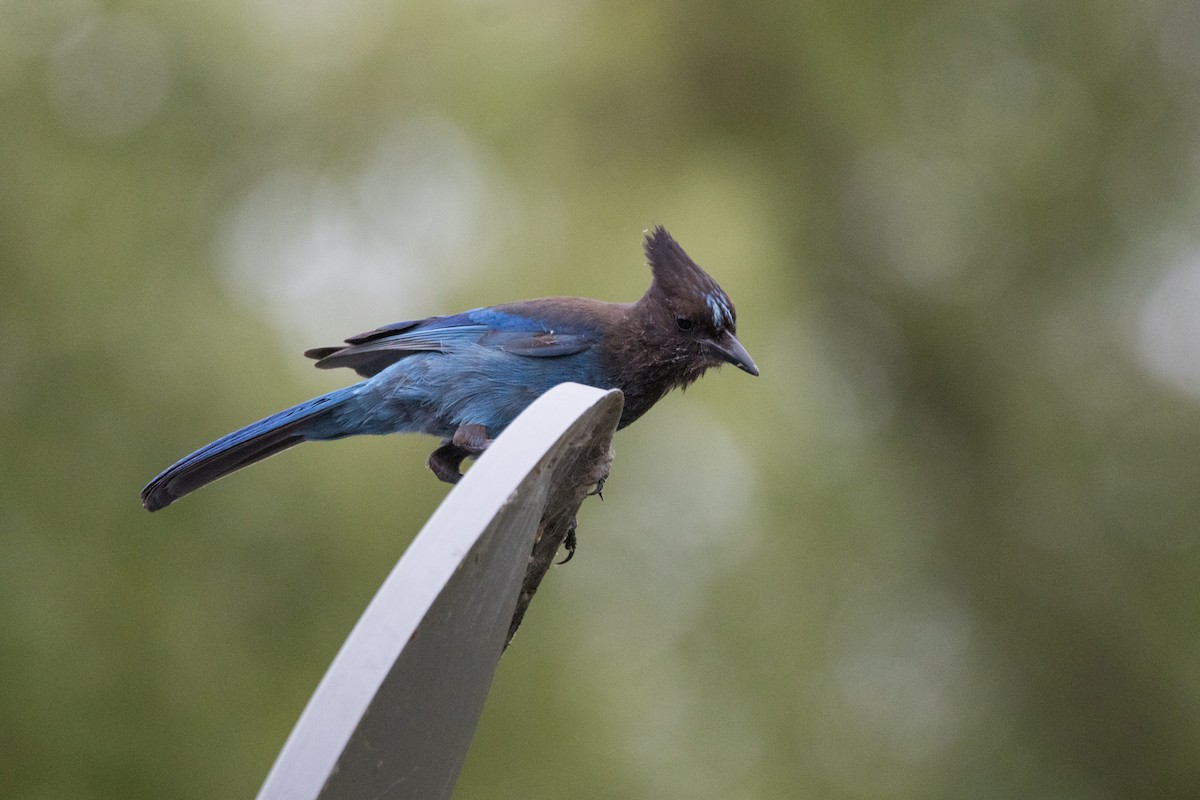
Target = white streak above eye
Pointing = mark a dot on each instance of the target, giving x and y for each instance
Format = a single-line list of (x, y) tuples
[(719, 306)]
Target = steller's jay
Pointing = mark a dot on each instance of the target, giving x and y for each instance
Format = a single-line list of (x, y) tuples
[(467, 376)]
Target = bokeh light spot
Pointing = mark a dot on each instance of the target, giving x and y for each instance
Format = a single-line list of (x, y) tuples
[(326, 257), (1168, 327), (30, 28), (109, 76), (933, 223)]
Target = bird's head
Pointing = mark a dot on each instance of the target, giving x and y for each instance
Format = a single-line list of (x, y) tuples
[(688, 311)]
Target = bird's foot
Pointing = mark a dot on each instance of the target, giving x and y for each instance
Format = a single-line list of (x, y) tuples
[(469, 441), (598, 489), (570, 542), (598, 474), (446, 462)]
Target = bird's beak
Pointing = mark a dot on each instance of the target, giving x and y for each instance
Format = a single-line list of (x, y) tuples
[(729, 349)]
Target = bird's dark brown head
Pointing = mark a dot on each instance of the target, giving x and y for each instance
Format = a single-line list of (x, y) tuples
[(688, 308), (683, 325)]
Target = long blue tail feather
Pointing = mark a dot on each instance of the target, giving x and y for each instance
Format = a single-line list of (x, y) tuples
[(310, 420)]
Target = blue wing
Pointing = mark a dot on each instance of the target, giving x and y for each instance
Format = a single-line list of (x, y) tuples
[(371, 352)]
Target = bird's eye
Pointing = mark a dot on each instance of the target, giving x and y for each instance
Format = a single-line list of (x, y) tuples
[(684, 323)]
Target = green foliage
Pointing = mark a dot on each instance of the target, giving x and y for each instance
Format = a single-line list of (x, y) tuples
[(945, 546)]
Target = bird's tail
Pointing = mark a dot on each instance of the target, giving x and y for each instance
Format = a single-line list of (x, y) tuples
[(318, 418)]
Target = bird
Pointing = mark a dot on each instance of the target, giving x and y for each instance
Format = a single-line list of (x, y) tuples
[(465, 377)]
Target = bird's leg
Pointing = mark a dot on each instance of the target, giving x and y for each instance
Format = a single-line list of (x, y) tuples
[(596, 475), (469, 441), (472, 438)]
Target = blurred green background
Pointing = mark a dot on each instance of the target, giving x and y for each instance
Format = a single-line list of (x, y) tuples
[(944, 547)]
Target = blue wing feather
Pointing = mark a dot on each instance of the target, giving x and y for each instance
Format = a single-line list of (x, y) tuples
[(370, 353)]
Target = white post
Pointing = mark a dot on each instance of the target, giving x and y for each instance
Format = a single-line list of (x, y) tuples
[(395, 712)]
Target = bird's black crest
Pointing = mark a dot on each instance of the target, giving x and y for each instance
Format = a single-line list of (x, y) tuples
[(677, 275)]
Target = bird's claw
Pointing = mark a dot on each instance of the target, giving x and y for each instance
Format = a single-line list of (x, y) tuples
[(598, 490), (598, 471), (570, 542)]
